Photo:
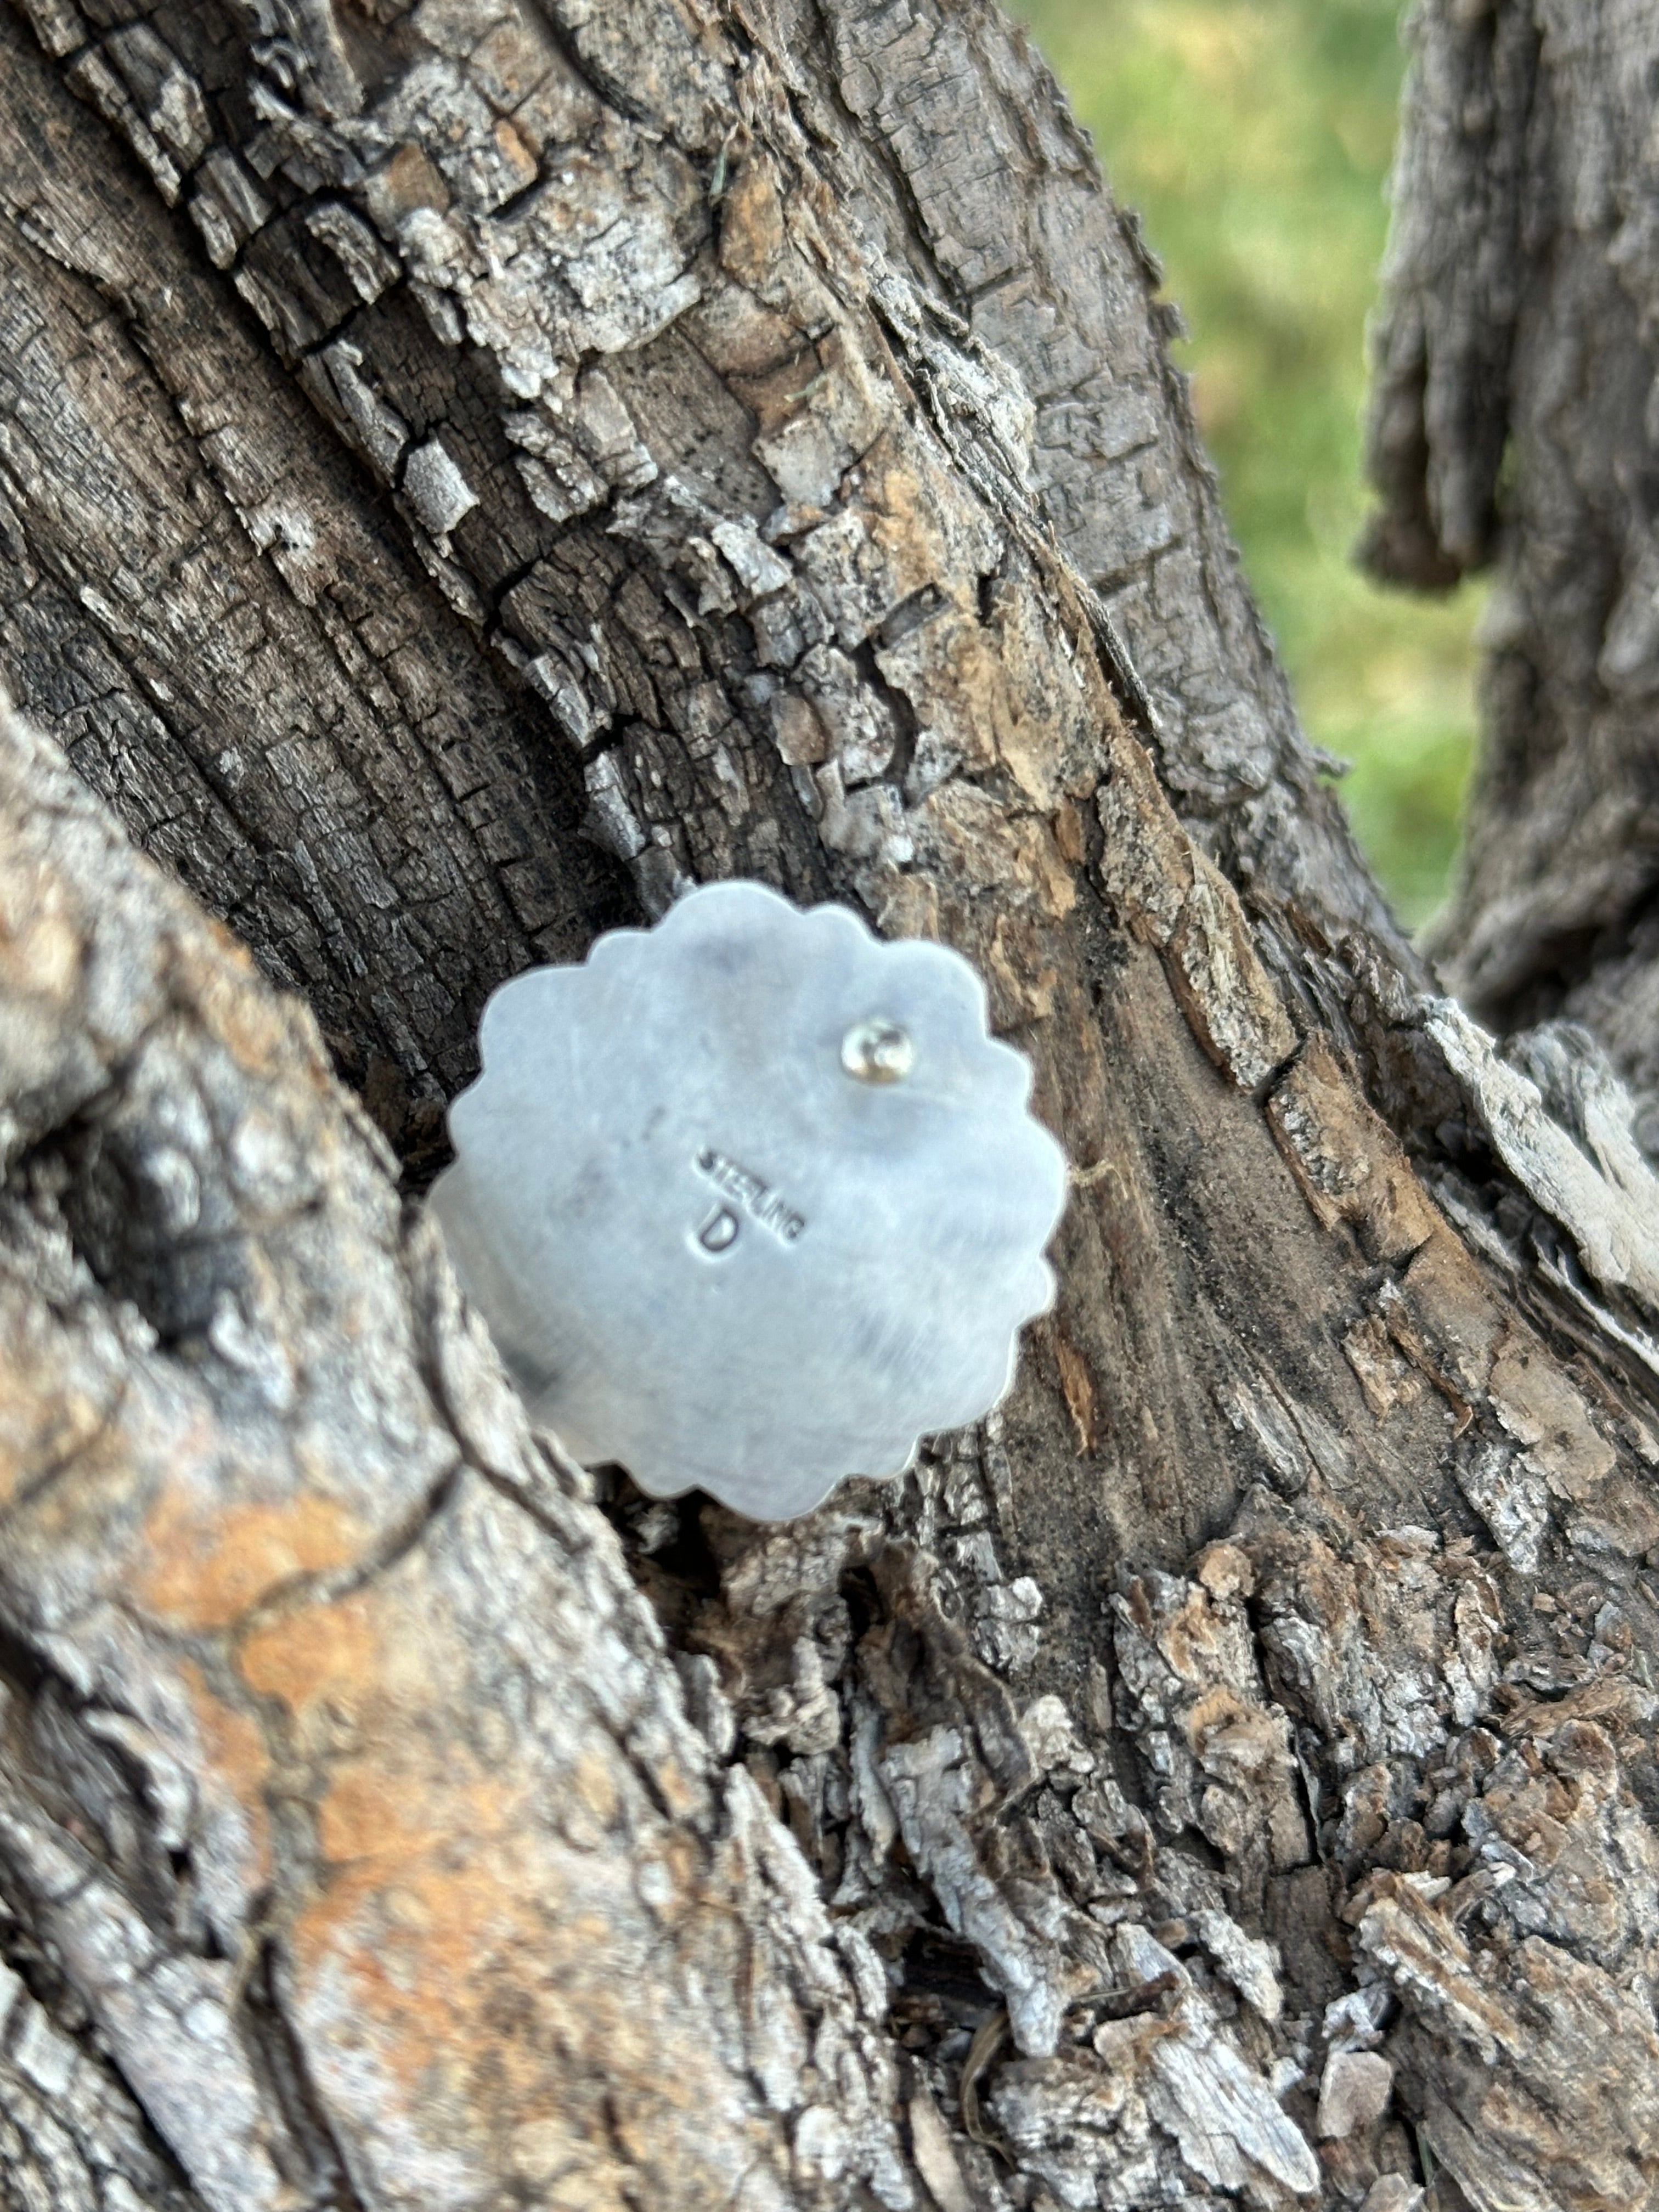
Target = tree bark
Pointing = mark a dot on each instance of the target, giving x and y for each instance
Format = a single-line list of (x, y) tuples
[(468, 472), (1513, 424)]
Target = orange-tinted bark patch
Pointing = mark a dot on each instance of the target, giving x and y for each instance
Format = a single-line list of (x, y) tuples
[(330, 1652), (206, 1566), (478, 1988), (595, 1788), (437, 1934), (372, 1814)]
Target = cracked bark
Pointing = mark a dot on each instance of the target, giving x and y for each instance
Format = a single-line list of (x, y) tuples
[(465, 472), (1513, 421)]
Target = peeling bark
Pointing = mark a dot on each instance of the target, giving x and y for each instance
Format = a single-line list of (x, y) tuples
[(468, 472)]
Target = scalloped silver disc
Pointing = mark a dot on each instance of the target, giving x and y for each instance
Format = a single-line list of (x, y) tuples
[(751, 1200)]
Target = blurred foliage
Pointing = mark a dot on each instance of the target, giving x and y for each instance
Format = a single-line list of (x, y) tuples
[(1255, 136)]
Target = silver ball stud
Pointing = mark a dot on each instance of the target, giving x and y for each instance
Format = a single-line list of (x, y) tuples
[(877, 1052)]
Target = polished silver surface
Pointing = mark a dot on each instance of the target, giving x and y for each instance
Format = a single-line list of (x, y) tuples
[(751, 1200)]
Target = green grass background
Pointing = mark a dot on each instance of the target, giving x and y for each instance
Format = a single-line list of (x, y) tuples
[(1255, 136)]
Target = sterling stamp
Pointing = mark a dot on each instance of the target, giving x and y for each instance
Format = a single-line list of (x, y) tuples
[(757, 1200)]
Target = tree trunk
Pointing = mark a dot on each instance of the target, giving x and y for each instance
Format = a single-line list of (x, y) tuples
[(468, 472), (1514, 422)]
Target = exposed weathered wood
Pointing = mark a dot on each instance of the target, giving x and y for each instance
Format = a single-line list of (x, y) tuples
[(727, 430)]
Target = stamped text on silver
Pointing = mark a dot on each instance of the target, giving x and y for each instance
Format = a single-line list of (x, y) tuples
[(758, 1200)]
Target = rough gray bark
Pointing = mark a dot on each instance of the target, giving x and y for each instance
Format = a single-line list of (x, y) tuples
[(1514, 422), (468, 470)]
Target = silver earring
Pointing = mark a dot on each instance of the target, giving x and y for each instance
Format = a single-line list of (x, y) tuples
[(751, 1200)]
